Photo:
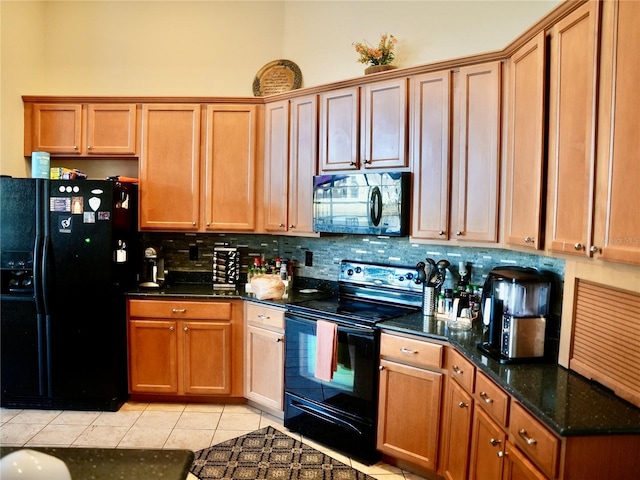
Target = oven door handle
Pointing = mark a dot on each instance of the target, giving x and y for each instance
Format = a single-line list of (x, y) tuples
[(325, 416)]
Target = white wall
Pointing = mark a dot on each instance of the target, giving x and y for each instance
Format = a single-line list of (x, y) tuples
[(215, 48)]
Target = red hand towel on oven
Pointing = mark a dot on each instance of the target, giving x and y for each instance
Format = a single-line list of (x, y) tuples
[(326, 350)]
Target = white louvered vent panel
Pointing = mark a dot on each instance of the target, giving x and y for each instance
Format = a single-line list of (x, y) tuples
[(606, 338)]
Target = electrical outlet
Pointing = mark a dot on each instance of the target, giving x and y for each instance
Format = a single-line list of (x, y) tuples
[(193, 252), (308, 259)]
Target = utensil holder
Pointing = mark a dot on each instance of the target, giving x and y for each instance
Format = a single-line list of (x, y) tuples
[(429, 298)]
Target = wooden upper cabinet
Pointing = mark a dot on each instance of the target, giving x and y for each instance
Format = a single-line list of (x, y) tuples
[(303, 163), (364, 127), (430, 149), (291, 158), (384, 124), (617, 225), (572, 126), (476, 153), (75, 129), (339, 122), (230, 167), (525, 148), (169, 167), (56, 128), (111, 129), (276, 165)]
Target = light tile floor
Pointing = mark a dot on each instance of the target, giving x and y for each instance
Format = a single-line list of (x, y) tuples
[(156, 425)]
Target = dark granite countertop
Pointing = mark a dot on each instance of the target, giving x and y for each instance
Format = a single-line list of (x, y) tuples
[(119, 463), (206, 291), (568, 403)]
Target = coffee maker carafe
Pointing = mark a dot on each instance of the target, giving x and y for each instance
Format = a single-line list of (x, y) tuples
[(515, 306), (152, 268)]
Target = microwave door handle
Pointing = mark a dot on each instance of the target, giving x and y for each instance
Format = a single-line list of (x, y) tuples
[(375, 206)]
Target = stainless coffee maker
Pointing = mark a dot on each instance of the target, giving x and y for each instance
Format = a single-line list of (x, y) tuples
[(152, 268), (515, 306)]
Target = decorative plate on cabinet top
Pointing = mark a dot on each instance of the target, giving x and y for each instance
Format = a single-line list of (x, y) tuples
[(277, 77)]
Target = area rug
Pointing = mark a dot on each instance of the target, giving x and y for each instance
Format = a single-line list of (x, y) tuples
[(269, 454)]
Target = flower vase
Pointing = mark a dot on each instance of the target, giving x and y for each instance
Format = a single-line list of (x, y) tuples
[(378, 68)]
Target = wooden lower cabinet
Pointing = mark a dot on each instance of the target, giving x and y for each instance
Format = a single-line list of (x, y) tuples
[(185, 348), (458, 416), (406, 387), (487, 444), (264, 357), (518, 467)]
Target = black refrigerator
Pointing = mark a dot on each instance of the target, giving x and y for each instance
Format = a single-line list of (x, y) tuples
[(69, 249)]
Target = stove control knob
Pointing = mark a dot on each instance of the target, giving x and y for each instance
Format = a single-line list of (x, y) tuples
[(358, 269), (409, 276), (350, 272)]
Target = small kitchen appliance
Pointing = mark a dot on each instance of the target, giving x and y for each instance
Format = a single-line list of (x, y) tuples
[(152, 268), (515, 306)]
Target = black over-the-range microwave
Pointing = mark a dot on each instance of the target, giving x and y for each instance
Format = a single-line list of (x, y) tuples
[(362, 203)]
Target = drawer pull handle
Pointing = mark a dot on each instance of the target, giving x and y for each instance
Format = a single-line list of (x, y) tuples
[(263, 317), (495, 442), (523, 433), (463, 404), (179, 310), (486, 397), (406, 350), (457, 370)]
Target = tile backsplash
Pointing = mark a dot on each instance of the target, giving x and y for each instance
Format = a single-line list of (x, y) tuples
[(328, 251)]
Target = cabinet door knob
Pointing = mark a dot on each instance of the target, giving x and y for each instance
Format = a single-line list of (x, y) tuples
[(367, 162), (292, 227), (486, 397), (523, 433), (578, 246), (380, 368), (502, 454), (279, 339), (441, 233), (186, 328), (75, 147), (194, 224), (456, 369), (281, 225), (495, 442), (594, 249), (528, 239), (352, 164), (463, 405), (171, 328), (458, 233), (88, 147), (208, 224)]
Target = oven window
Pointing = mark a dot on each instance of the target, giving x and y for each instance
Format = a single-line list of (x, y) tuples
[(354, 384)]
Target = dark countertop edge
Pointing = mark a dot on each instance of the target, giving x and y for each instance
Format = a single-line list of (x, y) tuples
[(100, 460)]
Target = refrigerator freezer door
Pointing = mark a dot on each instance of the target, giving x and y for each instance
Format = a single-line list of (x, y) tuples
[(86, 313)]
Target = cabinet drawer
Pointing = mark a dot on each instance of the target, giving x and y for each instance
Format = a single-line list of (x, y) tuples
[(408, 350), (257, 314), (461, 369), (533, 438), (180, 309), (492, 398)]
